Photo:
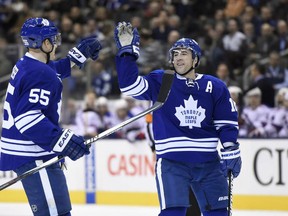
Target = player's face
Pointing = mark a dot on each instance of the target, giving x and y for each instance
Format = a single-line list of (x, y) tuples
[(182, 60)]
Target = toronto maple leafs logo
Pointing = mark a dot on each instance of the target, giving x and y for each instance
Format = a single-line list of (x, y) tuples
[(190, 115)]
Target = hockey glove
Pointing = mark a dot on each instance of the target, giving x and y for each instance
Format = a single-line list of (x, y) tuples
[(69, 144), (231, 160), (88, 47), (127, 39)]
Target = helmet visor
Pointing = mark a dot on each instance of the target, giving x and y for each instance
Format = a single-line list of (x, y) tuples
[(56, 39)]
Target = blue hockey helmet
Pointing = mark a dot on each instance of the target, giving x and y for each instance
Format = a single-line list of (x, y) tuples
[(186, 43), (35, 30)]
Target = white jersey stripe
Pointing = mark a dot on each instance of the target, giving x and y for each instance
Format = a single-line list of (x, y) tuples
[(26, 120), (128, 88), (27, 154), (160, 182), (32, 112), (189, 144), (4, 139), (141, 87), (23, 148), (225, 122), (47, 189), (32, 124), (171, 139), (160, 152)]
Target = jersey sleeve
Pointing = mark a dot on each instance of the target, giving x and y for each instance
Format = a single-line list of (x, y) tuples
[(131, 84), (62, 66), (35, 114), (225, 116)]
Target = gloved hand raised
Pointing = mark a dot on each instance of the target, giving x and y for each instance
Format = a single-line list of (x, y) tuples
[(231, 160), (88, 47), (69, 144), (127, 39)]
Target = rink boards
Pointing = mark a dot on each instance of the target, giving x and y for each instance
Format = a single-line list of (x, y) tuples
[(122, 173)]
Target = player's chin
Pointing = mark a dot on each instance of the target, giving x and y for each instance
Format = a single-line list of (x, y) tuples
[(180, 71)]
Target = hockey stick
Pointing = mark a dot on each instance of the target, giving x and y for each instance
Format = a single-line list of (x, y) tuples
[(230, 195), (167, 81)]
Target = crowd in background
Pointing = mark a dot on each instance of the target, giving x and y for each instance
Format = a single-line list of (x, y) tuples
[(244, 43)]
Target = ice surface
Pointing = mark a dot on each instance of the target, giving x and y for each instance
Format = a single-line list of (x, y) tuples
[(22, 209)]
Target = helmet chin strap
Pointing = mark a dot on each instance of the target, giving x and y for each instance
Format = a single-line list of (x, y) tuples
[(47, 53)]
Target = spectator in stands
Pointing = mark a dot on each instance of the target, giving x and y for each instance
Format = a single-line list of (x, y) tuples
[(68, 114), (76, 15), (151, 54), (250, 16), (131, 132), (213, 41), (101, 80), (92, 28), (204, 22), (234, 8), (161, 30), (276, 125), (224, 74), (135, 107), (86, 118), (249, 31), (279, 98), (276, 71), (266, 16), (266, 41), (104, 120), (264, 83), (66, 30), (235, 47), (254, 115), (281, 42), (281, 7), (5, 62)]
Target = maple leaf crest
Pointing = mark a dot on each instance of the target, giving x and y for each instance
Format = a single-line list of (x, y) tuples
[(190, 115)]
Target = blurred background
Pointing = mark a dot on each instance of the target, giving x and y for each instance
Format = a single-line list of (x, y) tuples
[(244, 43)]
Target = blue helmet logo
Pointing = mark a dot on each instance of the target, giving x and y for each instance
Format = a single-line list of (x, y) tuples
[(186, 43), (35, 30)]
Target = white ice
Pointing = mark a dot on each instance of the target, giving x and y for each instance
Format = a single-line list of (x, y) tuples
[(22, 209)]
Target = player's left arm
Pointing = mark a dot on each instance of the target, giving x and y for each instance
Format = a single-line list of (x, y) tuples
[(88, 47), (226, 123)]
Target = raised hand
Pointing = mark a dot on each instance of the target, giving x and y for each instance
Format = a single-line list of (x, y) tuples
[(88, 47), (127, 39)]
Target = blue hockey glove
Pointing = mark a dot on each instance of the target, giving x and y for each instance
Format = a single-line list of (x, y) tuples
[(69, 144), (127, 39), (88, 47), (231, 160)]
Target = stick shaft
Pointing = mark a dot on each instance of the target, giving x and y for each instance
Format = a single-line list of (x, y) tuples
[(230, 195), (102, 135), (167, 81), (117, 127)]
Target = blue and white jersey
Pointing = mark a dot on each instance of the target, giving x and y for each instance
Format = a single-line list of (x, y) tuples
[(194, 117), (31, 111)]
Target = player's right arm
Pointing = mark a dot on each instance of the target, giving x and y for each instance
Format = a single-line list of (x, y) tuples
[(130, 83)]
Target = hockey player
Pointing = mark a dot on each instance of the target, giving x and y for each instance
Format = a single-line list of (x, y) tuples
[(198, 112), (31, 134)]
